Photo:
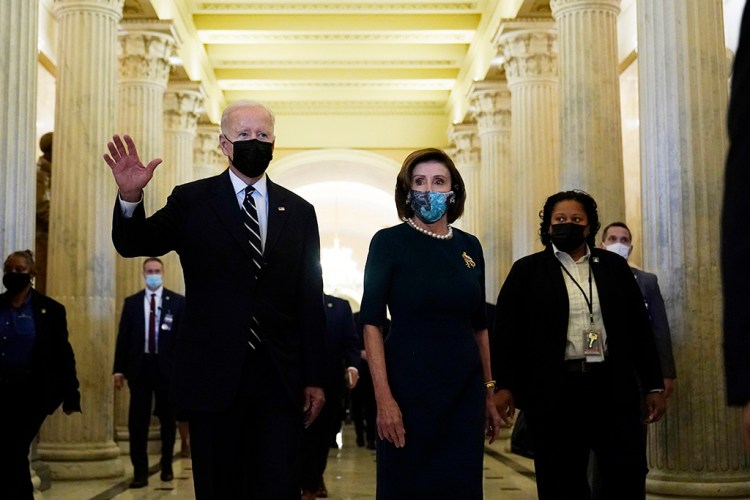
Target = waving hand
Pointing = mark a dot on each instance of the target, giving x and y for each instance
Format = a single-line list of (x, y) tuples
[(130, 174)]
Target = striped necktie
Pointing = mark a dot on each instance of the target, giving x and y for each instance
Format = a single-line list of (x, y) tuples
[(250, 220)]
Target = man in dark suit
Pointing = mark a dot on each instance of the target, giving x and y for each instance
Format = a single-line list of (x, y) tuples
[(250, 355), (616, 238), (735, 240), (144, 356), (342, 362)]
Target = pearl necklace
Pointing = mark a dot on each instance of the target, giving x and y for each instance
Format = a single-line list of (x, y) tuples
[(422, 230)]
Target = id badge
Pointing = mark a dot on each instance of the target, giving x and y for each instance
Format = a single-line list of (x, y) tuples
[(167, 325), (592, 342)]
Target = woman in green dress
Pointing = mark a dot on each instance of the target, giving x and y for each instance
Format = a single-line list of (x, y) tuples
[(432, 373)]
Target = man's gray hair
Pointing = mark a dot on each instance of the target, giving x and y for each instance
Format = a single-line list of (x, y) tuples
[(244, 103)]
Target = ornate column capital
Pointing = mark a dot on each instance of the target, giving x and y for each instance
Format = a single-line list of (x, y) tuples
[(489, 104), (464, 137), (182, 106), (206, 145), (529, 49), (563, 7), (111, 8), (144, 52)]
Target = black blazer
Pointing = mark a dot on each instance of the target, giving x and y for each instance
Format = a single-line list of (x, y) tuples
[(735, 240), (202, 223), (53, 365), (131, 336), (342, 345), (531, 324)]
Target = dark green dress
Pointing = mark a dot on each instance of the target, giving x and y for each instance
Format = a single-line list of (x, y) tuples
[(436, 300)]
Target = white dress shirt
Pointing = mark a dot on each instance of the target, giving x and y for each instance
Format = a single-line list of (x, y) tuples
[(578, 313)]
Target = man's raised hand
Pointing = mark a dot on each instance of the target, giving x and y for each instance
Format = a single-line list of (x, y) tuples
[(130, 174)]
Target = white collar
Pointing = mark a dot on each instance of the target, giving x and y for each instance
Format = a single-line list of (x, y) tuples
[(239, 185)]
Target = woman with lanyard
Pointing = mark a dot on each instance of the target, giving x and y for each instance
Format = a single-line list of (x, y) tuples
[(37, 370), (572, 347)]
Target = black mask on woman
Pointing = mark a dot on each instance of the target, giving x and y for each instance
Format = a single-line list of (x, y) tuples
[(15, 282), (568, 236), (252, 157)]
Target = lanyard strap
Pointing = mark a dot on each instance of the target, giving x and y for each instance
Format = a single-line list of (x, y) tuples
[(589, 303)]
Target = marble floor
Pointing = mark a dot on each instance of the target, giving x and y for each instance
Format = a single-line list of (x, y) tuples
[(350, 476)]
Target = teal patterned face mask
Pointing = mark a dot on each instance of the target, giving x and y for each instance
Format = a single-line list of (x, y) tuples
[(429, 206)]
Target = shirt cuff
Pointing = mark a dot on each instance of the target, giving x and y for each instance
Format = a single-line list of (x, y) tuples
[(127, 208)]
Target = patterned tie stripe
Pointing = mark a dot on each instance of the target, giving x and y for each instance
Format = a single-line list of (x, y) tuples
[(253, 228), (250, 220)]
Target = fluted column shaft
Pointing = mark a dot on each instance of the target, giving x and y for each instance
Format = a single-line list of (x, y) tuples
[(466, 158), (590, 118), (143, 66), (81, 258), (18, 62), (207, 157), (490, 105), (696, 449), (531, 69), (180, 123)]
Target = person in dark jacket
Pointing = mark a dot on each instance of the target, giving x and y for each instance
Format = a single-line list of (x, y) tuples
[(37, 370), (572, 347)]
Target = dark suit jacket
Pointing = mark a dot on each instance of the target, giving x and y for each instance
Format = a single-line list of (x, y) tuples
[(53, 365), (131, 337), (657, 313), (735, 239), (202, 222), (531, 324), (342, 345)]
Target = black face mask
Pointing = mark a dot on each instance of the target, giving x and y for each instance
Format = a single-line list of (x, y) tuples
[(16, 282), (568, 236), (252, 157)]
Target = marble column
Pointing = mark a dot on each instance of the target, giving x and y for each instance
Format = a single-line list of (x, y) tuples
[(18, 58), (145, 49), (182, 102), (696, 450), (208, 159), (465, 155), (590, 119), (81, 258), (530, 52), (490, 106)]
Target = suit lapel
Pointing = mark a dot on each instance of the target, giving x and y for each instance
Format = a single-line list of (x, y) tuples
[(140, 313), (224, 202), (277, 215)]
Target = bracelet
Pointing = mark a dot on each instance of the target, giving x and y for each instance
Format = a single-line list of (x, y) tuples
[(490, 384)]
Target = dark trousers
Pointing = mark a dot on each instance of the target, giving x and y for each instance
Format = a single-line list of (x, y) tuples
[(364, 409), (252, 450), (595, 418), (20, 420), (316, 441), (144, 389)]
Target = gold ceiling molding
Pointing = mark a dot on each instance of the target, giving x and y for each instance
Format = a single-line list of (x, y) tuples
[(259, 37), (401, 85), (334, 8), (306, 63), (357, 108)]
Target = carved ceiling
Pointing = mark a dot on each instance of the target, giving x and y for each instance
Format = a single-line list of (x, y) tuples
[(392, 56)]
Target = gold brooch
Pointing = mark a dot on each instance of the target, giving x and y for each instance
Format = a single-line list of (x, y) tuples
[(469, 261)]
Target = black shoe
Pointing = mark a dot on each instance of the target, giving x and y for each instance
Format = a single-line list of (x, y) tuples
[(139, 482), (166, 475), (370, 445), (360, 441)]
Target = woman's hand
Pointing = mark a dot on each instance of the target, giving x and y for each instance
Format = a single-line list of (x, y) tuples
[(656, 405), (492, 417), (390, 423), (505, 406)]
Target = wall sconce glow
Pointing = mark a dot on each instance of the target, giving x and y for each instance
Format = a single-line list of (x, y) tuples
[(340, 272)]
